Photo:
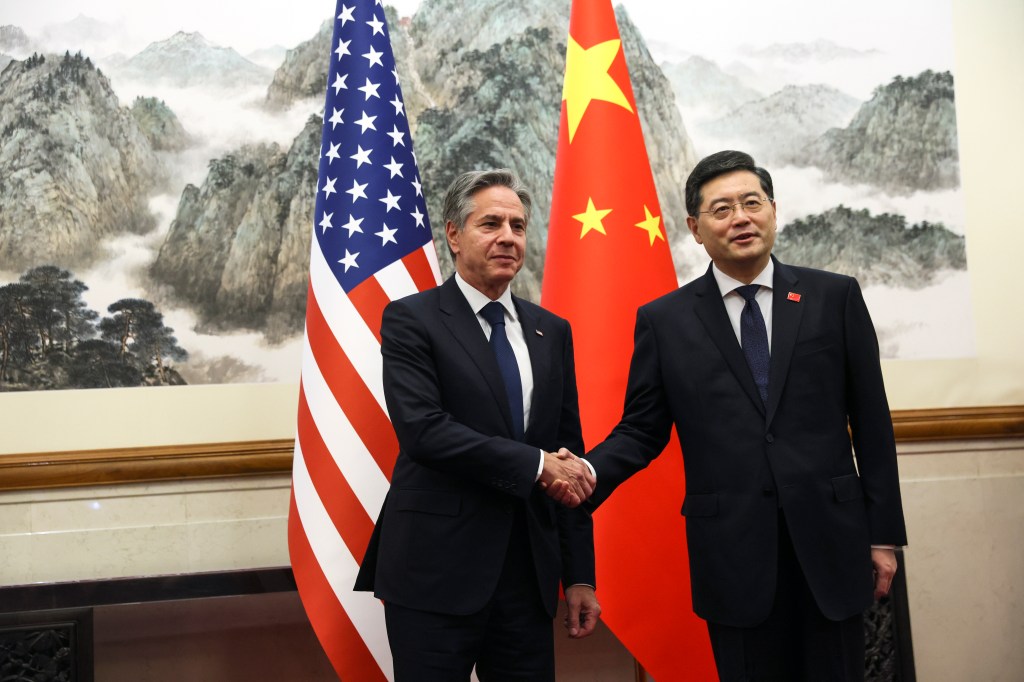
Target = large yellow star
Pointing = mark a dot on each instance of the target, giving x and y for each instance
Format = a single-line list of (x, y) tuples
[(587, 79), (652, 224), (592, 218)]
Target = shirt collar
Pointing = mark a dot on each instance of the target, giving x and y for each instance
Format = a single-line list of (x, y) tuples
[(478, 300), (727, 284)]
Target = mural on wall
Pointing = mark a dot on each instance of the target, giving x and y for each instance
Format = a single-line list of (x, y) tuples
[(158, 173)]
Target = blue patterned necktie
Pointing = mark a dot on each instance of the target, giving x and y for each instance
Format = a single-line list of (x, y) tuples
[(494, 313), (754, 339)]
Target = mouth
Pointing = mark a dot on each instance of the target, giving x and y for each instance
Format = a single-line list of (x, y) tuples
[(744, 238)]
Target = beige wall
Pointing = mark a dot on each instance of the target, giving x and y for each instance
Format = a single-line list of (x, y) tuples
[(965, 562)]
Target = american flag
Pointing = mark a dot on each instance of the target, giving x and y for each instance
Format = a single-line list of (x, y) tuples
[(372, 245)]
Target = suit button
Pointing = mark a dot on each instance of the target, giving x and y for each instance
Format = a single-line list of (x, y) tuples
[(770, 438), (768, 492)]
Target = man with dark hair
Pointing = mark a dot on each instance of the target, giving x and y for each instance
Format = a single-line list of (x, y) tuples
[(480, 385), (770, 374)]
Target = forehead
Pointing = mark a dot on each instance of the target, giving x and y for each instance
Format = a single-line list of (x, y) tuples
[(731, 186), (497, 199)]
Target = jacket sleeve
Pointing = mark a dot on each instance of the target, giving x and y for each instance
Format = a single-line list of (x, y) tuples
[(646, 424), (575, 526), (874, 444)]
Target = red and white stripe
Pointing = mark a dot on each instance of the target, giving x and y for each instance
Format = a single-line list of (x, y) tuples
[(345, 450)]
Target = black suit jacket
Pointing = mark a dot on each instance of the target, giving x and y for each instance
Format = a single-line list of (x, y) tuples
[(440, 541), (744, 459)]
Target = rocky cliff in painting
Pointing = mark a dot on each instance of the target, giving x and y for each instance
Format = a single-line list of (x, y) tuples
[(903, 140), (159, 124), (878, 249), (302, 74), (238, 250), (75, 167)]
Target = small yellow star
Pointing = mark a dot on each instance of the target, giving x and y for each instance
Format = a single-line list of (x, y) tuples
[(652, 224), (587, 79), (592, 218)]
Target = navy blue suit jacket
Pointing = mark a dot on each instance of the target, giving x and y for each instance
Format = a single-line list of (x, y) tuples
[(440, 541), (744, 460)]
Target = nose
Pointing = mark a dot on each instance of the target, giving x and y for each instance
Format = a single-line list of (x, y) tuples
[(739, 215), (506, 234)]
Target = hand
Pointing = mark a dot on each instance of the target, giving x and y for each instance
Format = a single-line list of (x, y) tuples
[(566, 478), (884, 561), (584, 610)]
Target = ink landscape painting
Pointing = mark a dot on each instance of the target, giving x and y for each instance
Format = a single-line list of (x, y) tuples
[(158, 164)]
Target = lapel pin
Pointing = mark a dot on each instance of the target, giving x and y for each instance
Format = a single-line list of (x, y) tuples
[(539, 332), (792, 296)]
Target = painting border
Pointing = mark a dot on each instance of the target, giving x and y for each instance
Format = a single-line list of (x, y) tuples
[(114, 466)]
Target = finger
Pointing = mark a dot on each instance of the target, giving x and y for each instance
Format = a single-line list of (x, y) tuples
[(572, 619), (587, 624), (561, 493), (579, 491), (571, 500), (587, 487), (882, 585)]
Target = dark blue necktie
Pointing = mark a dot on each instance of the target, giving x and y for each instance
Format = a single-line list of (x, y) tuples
[(754, 339), (494, 313)]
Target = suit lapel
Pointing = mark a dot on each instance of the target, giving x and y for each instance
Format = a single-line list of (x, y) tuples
[(786, 314), (540, 360), (711, 310), (462, 322)]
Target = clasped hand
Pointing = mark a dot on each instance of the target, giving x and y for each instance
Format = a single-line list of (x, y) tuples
[(566, 479)]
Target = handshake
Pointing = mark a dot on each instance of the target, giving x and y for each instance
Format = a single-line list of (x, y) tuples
[(566, 478)]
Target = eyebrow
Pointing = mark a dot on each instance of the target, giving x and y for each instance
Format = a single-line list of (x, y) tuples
[(740, 197), (494, 216)]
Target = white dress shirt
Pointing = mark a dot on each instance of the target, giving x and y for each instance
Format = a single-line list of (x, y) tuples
[(734, 302), (514, 330)]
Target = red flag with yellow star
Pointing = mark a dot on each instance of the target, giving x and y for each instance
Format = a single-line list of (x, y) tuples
[(606, 255)]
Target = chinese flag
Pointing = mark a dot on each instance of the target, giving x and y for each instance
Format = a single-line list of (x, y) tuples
[(606, 255)]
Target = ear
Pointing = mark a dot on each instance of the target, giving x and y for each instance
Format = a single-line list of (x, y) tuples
[(451, 233), (691, 223)]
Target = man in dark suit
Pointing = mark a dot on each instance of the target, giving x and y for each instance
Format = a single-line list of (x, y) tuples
[(471, 543), (790, 530)]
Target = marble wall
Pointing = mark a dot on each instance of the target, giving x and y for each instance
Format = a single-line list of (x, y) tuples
[(964, 505), (965, 562)]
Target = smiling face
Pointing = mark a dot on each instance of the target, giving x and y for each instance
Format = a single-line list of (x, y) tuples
[(490, 247), (741, 244)]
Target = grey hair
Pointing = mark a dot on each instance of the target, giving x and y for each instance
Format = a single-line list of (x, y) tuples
[(458, 200)]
